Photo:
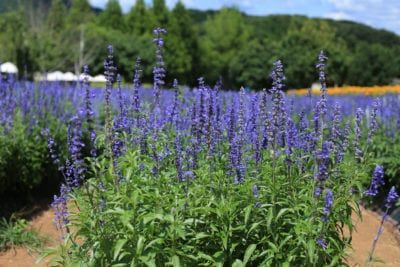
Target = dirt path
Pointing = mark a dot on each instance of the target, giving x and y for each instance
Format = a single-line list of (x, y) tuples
[(21, 257), (388, 248)]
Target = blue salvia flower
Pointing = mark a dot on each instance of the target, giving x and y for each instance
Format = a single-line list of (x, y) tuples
[(51, 146), (373, 126), (136, 86), (75, 148), (391, 198), (337, 118), (323, 160), (303, 135), (264, 120), (357, 140), (328, 204), (60, 206), (215, 118), (253, 129), (256, 195), (110, 71), (89, 111), (144, 132), (321, 67), (175, 105), (203, 112), (137, 83), (232, 123), (376, 181), (159, 69), (239, 141), (120, 98), (322, 243), (291, 138), (178, 157), (278, 109), (255, 191), (336, 134), (317, 121), (278, 76)]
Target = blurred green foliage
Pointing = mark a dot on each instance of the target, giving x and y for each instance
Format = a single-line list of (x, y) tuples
[(64, 35)]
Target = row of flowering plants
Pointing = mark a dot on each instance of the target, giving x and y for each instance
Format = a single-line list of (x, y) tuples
[(27, 113), (205, 177), (353, 90)]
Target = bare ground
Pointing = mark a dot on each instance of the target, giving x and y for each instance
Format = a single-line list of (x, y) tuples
[(22, 257), (388, 248)]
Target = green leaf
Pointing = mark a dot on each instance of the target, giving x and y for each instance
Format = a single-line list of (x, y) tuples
[(238, 263), (201, 235), (247, 214), (175, 261), (311, 250), (249, 251), (281, 212), (139, 246), (118, 246)]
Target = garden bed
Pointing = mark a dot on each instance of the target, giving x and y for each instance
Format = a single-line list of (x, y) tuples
[(388, 248)]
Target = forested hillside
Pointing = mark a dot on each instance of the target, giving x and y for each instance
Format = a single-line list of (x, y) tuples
[(62, 35)]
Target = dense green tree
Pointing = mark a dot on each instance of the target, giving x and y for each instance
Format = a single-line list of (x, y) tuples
[(80, 12), (224, 35), (56, 17), (138, 20), (300, 47), (160, 13), (14, 44), (252, 65), (372, 65), (47, 35), (181, 45), (112, 16)]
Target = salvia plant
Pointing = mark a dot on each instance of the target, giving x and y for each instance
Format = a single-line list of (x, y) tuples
[(204, 176)]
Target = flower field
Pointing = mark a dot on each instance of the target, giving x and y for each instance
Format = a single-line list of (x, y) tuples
[(353, 90), (176, 176)]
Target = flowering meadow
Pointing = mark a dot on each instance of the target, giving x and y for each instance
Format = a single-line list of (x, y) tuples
[(176, 176), (351, 90)]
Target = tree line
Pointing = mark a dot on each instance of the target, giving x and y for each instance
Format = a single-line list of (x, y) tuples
[(224, 44)]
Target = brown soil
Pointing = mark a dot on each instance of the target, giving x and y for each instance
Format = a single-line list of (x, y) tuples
[(388, 248), (22, 257)]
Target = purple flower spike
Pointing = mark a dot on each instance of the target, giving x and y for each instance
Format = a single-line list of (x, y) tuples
[(322, 243), (328, 204), (376, 181), (391, 198)]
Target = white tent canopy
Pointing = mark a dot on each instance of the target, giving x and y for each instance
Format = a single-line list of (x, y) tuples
[(54, 76), (58, 76), (99, 79), (8, 67), (70, 77)]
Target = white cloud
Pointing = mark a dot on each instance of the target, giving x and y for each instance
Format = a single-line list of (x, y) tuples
[(353, 5), (338, 16)]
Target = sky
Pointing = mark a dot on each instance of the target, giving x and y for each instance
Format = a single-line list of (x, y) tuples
[(382, 14)]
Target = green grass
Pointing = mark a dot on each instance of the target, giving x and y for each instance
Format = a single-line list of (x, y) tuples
[(14, 233)]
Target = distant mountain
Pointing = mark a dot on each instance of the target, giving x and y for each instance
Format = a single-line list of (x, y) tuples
[(273, 25), (350, 31)]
